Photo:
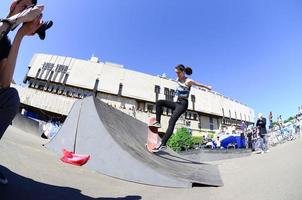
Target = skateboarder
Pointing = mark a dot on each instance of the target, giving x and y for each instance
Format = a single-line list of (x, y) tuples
[(178, 107), (22, 11), (9, 98)]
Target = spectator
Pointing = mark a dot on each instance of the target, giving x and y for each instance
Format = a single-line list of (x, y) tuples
[(297, 125), (204, 140), (243, 127), (270, 120), (218, 143), (133, 111), (280, 122), (249, 138), (261, 126), (254, 137)]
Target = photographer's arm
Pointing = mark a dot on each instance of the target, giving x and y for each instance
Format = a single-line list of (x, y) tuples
[(7, 66)]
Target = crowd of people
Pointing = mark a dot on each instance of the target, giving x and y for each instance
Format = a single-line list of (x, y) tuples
[(260, 138)]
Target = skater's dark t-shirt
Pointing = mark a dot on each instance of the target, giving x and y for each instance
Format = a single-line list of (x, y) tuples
[(5, 46)]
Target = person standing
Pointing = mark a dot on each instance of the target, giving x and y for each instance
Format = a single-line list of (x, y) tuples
[(9, 98), (270, 120), (280, 122), (261, 125)]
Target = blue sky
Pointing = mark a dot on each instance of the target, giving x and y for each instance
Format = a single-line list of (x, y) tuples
[(249, 50)]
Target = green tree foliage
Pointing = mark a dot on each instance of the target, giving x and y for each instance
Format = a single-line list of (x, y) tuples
[(198, 140), (288, 120), (181, 140)]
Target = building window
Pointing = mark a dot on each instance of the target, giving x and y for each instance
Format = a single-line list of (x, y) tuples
[(60, 89), (157, 89), (80, 93), (48, 68), (50, 88), (30, 82), (150, 108), (167, 93), (120, 89), (41, 85), (61, 77), (193, 98), (65, 91), (50, 76), (172, 94), (65, 68), (41, 74), (55, 76), (38, 72), (65, 79), (195, 116), (55, 89), (211, 123)]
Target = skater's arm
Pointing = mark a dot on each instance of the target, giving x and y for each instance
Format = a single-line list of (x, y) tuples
[(191, 82), (7, 66)]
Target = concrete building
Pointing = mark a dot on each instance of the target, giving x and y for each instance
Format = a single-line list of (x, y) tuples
[(55, 82)]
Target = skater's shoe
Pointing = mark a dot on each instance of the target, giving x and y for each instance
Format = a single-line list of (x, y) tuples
[(3, 180), (42, 30), (159, 148), (156, 125)]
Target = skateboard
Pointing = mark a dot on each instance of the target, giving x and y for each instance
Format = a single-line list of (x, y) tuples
[(27, 15), (153, 137)]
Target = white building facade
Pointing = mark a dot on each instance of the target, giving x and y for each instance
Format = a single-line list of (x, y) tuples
[(55, 82)]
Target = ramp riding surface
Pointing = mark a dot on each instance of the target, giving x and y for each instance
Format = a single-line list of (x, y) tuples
[(116, 143)]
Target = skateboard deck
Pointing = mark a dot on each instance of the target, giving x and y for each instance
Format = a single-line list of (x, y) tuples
[(152, 137)]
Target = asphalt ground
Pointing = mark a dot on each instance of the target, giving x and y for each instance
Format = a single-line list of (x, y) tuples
[(36, 173)]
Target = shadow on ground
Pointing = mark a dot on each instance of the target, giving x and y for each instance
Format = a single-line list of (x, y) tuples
[(20, 187)]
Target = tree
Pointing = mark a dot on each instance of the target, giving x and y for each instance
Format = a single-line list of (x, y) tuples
[(289, 119), (181, 140)]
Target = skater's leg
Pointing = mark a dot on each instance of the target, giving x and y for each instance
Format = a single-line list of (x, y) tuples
[(9, 106), (179, 110), (160, 104)]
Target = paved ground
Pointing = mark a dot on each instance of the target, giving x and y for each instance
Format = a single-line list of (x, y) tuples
[(35, 173)]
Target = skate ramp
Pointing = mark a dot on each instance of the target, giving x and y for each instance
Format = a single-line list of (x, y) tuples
[(116, 143)]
